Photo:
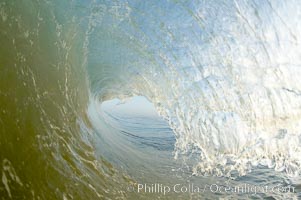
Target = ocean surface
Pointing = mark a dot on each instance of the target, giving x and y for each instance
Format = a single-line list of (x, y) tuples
[(158, 99)]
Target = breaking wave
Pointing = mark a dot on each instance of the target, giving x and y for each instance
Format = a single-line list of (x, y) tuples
[(225, 76)]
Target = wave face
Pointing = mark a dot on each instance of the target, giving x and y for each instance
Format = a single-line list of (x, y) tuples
[(225, 76)]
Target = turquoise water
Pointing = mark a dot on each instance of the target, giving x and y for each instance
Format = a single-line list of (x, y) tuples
[(150, 99)]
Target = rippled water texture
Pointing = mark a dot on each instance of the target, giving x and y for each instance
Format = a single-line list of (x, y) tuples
[(97, 97)]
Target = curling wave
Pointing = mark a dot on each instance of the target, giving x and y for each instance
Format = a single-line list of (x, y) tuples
[(223, 75)]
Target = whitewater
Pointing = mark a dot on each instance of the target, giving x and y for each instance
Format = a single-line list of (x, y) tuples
[(115, 99)]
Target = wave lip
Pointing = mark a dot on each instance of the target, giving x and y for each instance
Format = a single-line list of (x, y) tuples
[(225, 76)]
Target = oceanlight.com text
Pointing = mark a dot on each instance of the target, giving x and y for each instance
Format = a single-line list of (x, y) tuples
[(213, 188)]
